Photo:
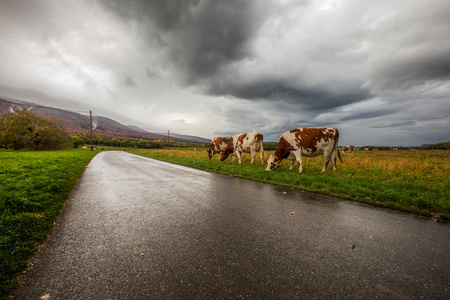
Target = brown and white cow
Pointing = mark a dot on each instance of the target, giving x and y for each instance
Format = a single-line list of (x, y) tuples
[(245, 142), (217, 145), (307, 142), (349, 149)]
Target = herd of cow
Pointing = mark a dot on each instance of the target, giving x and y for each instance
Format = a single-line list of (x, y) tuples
[(293, 144)]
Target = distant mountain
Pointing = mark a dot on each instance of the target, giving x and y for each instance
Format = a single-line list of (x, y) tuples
[(135, 128), (190, 138), (80, 124), (174, 135)]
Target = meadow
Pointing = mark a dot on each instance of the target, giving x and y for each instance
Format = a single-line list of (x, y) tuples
[(409, 181), (34, 186)]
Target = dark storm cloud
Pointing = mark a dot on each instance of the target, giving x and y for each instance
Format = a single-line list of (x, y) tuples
[(313, 99), (412, 47), (199, 37), (395, 125), (202, 39), (368, 115), (409, 70)]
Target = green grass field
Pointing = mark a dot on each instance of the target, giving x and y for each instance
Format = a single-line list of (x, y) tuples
[(33, 188), (409, 181)]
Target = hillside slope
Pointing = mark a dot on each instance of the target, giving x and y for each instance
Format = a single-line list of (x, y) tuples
[(77, 123)]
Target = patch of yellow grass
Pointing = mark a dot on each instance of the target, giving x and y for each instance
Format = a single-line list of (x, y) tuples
[(420, 164)]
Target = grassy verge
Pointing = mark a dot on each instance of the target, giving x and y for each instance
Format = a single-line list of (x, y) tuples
[(409, 181), (33, 188)]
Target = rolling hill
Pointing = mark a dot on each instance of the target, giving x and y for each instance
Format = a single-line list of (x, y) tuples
[(77, 123)]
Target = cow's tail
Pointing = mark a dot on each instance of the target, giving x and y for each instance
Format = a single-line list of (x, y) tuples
[(339, 154), (336, 147)]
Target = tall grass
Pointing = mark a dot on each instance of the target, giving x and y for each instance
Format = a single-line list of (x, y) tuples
[(33, 189), (411, 181)]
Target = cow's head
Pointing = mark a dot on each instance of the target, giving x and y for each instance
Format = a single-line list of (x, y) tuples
[(228, 150), (226, 153), (210, 153), (272, 163)]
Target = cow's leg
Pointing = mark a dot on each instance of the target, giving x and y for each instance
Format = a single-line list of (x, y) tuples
[(292, 164), (333, 159), (253, 152), (298, 157), (239, 154), (300, 169), (326, 160), (261, 154)]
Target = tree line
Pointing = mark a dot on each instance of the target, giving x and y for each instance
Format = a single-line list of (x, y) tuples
[(23, 129), (439, 146), (83, 139)]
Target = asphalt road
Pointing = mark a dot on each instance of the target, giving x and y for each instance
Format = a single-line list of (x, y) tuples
[(136, 228)]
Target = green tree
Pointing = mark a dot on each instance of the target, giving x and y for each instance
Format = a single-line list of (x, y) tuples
[(14, 128), (77, 141), (24, 129)]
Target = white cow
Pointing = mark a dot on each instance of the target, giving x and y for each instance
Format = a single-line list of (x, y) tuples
[(307, 142), (245, 142), (349, 149)]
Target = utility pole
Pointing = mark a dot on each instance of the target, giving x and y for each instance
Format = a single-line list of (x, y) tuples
[(167, 139), (90, 112)]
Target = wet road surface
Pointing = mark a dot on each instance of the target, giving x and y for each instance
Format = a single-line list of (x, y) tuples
[(137, 228)]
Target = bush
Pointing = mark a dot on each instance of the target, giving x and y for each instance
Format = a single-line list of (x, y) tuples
[(22, 129)]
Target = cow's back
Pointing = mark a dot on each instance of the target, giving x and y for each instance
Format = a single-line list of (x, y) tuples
[(311, 141), (223, 143), (246, 141)]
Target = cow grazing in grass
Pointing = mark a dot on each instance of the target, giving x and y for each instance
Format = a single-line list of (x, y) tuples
[(349, 149), (307, 142), (245, 142), (217, 145)]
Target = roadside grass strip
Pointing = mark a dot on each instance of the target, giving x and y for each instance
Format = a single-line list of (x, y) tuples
[(34, 186), (409, 181)]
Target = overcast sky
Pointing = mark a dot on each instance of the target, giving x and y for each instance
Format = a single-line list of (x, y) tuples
[(379, 71)]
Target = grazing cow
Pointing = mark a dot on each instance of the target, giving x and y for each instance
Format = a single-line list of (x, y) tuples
[(394, 149), (349, 149), (308, 142), (217, 145), (245, 142)]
